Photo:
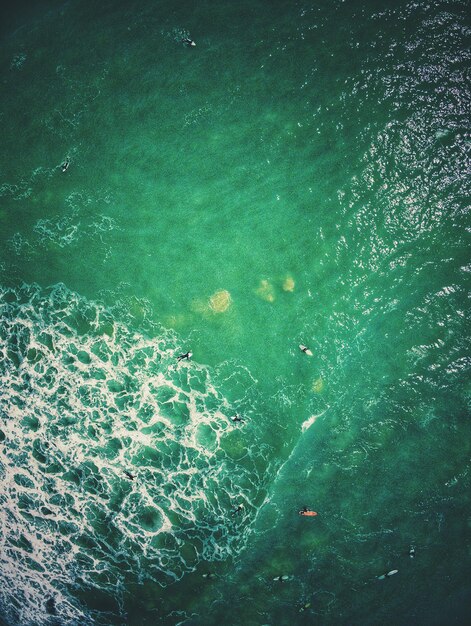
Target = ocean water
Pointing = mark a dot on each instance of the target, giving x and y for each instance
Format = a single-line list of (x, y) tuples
[(300, 176)]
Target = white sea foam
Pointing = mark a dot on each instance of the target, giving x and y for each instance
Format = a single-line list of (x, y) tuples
[(310, 421), (85, 399), (79, 225)]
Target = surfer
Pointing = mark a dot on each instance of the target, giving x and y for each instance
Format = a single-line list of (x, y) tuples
[(307, 512), (236, 418), (238, 509), (209, 576), (188, 42), (305, 349), (129, 475), (65, 165), (186, 356), (412, 552), (282, 579)]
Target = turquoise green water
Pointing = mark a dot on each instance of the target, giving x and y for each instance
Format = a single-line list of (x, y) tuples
[(301, 176)]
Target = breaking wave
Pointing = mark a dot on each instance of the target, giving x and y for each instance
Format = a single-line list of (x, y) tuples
[(117, 462)]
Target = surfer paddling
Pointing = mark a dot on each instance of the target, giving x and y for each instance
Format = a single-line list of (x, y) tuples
[(65, 165), (186, 356), (129, 475), (188, 42), (236, 418), (305, 349), (305, 512)]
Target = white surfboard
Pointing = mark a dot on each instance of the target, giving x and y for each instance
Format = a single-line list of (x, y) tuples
[(391, 573)]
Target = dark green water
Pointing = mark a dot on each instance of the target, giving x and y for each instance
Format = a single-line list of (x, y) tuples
[(301, 176)]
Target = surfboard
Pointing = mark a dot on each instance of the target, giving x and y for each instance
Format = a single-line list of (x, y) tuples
[(391, 573), (308, 513)]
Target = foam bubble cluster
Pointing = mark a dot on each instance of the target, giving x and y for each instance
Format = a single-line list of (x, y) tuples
[(112, 460)]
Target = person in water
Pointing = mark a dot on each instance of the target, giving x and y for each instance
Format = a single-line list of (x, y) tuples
[(237, 418), (188, 42), (186, 356), (307, 512), (238, 509), (65, 165), (388, 575), (129, 475)]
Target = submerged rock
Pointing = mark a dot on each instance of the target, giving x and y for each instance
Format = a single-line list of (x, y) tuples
[(220, 301)]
